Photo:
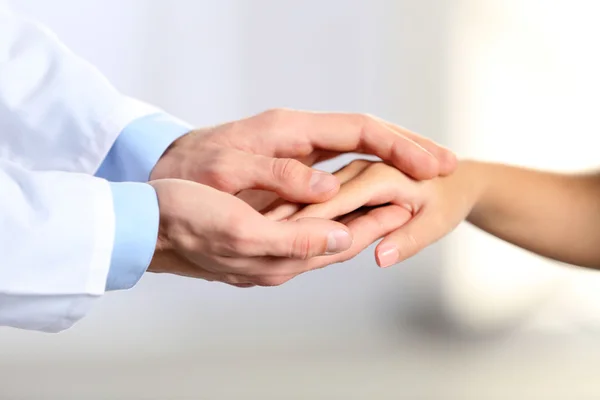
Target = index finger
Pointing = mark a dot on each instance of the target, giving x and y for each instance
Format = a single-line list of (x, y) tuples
[(367, 227), (364, 134), (446, 158)]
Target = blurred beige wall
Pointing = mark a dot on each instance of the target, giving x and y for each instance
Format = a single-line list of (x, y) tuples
[(523, 89)]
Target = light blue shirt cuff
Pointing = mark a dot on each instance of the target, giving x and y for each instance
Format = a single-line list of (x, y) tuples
[(136, 230), (139, 147)]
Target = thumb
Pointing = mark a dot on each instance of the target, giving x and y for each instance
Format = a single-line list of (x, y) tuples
[(406, 241), (290, 179), (305, 238)]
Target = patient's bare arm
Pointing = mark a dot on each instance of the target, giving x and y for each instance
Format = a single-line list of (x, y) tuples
[(554, 215)]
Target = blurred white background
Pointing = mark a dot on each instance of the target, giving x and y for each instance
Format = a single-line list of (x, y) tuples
[(470, 318)]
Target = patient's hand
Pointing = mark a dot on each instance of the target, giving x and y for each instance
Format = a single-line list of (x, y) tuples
[(364, 230), (434, 207)]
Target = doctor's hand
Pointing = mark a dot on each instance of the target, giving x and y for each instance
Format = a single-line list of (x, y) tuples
[(209, 234), (374, 190), (273, 151)]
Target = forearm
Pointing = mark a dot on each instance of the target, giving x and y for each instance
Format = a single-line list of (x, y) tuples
[(55, 246), (68, 115), (64, 239), (554, 215)]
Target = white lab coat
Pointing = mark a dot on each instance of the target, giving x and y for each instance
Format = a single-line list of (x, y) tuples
[(58, 119)]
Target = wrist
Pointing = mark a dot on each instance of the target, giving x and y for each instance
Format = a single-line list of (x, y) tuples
[(164, 239), (474, 178), (163, 167), (170, 164)]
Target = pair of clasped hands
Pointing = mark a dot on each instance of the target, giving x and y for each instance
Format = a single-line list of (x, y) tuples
[(241, 204)]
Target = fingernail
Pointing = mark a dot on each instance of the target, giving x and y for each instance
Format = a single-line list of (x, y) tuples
[(338, 241), (322, 182), (388, 256)]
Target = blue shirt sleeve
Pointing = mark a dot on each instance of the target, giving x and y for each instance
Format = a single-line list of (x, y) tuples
[(136, 230), (139, 147)]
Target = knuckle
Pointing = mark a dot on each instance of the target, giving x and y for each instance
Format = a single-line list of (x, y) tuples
[(242, 239), (212, 175), (236, 225), (238, 240), (369, 117), (287, 169), (275, 114), (363, 123), (363, 119), (301, 247), (217, 172)]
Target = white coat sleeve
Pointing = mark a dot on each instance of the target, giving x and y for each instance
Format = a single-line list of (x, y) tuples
[(57, 111), (56, 240)]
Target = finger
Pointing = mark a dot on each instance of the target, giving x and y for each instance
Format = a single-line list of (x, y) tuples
[(351, 170), (446, 158), (303, 239), (359, 133), (346, 219), (289, 178), (366, 229), (352, 196), (283, 209), (368, 226), (407, 241), (372, 226)]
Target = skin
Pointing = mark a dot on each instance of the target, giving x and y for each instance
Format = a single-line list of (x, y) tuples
[(213, 183), (554, 215), (208, 234)]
